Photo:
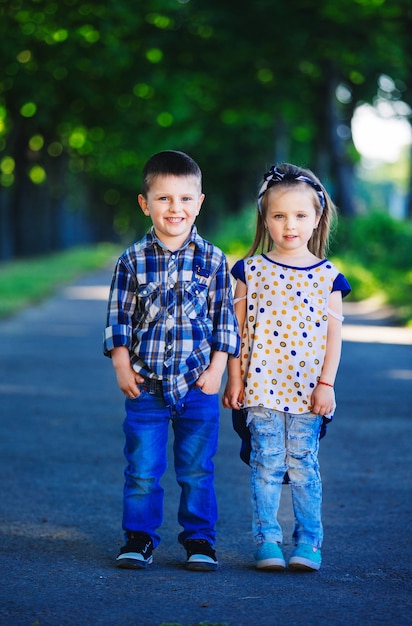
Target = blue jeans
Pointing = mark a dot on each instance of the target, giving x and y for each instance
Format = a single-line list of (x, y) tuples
[(195, 421), (284, 442)]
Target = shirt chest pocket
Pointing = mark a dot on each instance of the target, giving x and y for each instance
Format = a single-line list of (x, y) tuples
[(148, 307), (195, 300), (312, 309)]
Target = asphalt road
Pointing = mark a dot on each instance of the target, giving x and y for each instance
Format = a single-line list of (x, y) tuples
[(61, 477)]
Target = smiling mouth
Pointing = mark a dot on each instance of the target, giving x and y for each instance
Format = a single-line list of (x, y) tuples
[(175, 220)]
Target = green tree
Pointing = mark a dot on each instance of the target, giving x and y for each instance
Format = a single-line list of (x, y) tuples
[(88, 90)]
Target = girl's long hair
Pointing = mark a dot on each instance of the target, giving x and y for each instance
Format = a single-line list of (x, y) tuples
[(319, 241)]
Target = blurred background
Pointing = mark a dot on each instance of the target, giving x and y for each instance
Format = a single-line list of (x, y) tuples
[(90, 90)]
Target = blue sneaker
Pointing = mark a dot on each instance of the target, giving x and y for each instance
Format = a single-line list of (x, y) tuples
[(305, 558), (268, 556)]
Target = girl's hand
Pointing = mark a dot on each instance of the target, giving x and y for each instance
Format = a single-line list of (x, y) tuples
[(233, 394), (323, 400)]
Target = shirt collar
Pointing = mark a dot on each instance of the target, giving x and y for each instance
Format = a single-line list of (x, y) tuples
[(194, 238)]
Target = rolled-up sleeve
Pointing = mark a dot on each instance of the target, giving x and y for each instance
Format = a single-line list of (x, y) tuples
[(221, 310), (121, 306)]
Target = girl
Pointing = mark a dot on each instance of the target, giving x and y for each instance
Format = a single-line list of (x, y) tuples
[(289, 305)]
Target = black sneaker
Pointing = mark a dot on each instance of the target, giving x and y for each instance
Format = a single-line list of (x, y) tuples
[(137, 553), (200, 556)]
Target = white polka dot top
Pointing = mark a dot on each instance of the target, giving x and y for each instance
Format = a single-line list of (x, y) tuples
[(284, 336)]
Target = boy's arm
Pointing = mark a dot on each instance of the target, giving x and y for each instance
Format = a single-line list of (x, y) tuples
[(120, 309), (118, 331), (233, 394), (127, 378), (211, 379), (323, 396), (225, 333), (225, 339)]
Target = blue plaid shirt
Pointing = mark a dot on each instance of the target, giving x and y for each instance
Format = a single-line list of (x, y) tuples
[(172, 310)]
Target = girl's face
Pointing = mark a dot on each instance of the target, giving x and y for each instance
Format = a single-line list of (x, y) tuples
[(291, 218), (173, 203)]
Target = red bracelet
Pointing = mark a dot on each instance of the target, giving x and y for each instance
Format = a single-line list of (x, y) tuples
[(320, 382)]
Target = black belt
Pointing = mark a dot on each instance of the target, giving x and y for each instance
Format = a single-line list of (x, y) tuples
[(153, 386)]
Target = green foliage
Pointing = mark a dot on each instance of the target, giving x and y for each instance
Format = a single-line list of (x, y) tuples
[(373, 251), (237, 232), (363, 281), (91, 89), (30, 281), (376, 239)]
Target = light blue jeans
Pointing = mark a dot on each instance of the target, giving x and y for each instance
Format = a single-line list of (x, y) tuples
[(195, 421), (283, 442)]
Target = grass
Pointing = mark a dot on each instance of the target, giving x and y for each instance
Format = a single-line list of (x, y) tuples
[(28, 281), (373, 251)]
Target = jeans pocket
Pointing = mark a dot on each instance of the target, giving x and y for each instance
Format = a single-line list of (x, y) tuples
[(143, 392), (203, 393)]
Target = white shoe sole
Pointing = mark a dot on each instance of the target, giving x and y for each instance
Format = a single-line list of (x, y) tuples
[(304, 565), (132, 560), (275, 565)]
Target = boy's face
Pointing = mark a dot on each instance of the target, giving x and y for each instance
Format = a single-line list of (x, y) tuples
[(172, 203)]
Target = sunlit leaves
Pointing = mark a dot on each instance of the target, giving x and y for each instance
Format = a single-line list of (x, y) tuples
[(154, 55), (143, 90), (60, 35), (37, 174), (160, 21), (77, 138), (36, 143), (89, 33), (106, 83), (28, 109), (230, 117), (7, 165), (165, 119), (3, 115), (357, 78), (24, 56)]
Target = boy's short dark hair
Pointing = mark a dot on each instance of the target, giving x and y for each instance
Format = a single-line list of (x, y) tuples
[(169, 163)]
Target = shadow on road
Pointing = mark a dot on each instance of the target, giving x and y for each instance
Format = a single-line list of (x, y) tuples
[(61, 466)]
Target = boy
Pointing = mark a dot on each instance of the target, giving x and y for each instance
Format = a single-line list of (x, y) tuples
[(170, 328)]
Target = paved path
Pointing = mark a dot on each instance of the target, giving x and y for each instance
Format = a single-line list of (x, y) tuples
[(61, 468)]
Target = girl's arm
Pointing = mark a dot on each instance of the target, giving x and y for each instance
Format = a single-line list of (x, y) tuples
[(233, 395), (323, 396)]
